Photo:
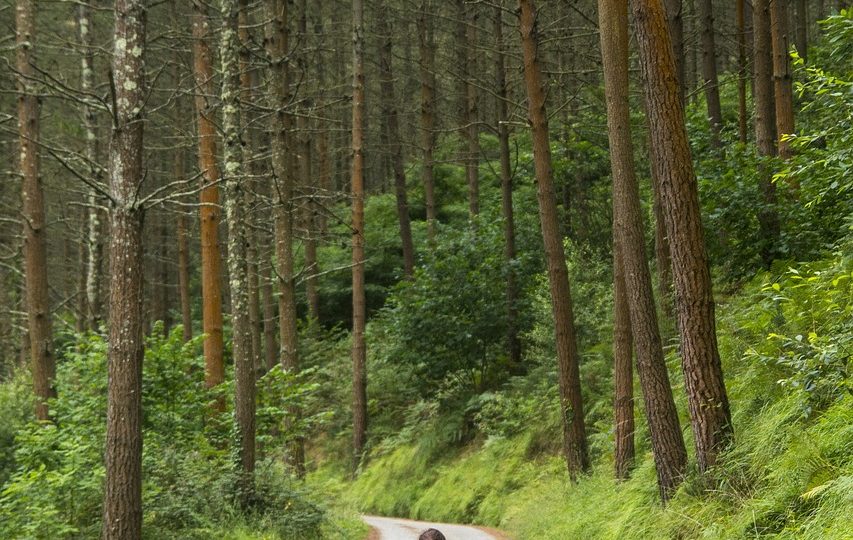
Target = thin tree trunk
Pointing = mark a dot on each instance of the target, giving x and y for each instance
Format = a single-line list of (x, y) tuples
[(268, 301), (359, 356), (389, 106), (742, 70), (501, 99), (632, 281), (214, 372), (277, 41), (183, 259), (623, 377), (709, 70), (123, 447), (42, 360), (235, 217), (706, 392), (426, 42), (466, 33), (802, 29), (675, 19), (765, 128), (571, 402), (782, 78)]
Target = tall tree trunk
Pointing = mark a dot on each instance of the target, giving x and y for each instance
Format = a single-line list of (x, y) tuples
[(466, 34), (359, 351), (271, 348), (123, 447), (183, 259), (426, 47), (765, 128), (235, 217), (742, 70), (633, 284), (802, 32), (709, 69), (248, 80), (42, 360), (501, 108), (93, 241), (571, 402), (389, 106), (277, 41), (623, 377), (782, 79), (214, 372), (675, 19), (703, 376)]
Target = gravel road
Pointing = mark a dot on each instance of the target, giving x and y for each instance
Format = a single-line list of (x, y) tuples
[(405, 529)]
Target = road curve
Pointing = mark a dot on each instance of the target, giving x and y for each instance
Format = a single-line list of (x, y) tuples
[(384, 528)]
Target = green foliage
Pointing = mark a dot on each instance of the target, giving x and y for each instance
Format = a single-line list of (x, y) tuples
[(54, 487)]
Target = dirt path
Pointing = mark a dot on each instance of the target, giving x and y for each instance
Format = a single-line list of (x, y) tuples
[(384, 528)]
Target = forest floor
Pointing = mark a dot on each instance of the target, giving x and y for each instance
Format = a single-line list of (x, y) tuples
[(385, 528)]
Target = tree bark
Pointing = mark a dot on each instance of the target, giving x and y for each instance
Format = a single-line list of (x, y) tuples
[(742, 70), (802, 29), (623, 377), (634, 300), (123, 447), (235, 217), (389, 106), (426, 42), (43, 363), (501, 100), (709, 69), (277, 42), (675, 20), (359, 356), (765, 128), (466, 33), (571, 402), (703, 376), (211, 269), (782, 77)]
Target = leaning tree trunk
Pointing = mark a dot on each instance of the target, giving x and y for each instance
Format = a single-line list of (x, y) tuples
[(35, 241), (633, 283), (235, 217), (359, 356), (707, 400), (675, 19), (122, 519), (389, 106), (571, 402), (214, 372)]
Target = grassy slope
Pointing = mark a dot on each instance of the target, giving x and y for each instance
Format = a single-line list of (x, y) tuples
[(787, 477)]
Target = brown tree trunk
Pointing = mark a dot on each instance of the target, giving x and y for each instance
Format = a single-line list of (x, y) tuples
[(782, 78), (359, 352), (389, 106), (675, 19), (501, 100), (211, 263), (634, 299), (623, 377), (43, 364), (426, 42), (123, 447), (183, 260), (466, 33), (765, 127), (802, 29), (571, 402), (706, 391), (705, 14), (277, 42), (235, 217), (742, 70)]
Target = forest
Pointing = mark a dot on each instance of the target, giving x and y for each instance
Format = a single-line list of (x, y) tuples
[(545, 269)]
